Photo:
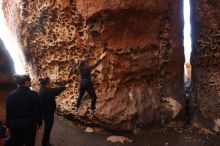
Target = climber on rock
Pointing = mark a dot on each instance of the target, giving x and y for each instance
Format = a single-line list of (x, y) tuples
[(48, 106), (85, 81)]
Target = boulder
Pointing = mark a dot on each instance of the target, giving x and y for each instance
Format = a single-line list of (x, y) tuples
[(144, 61)]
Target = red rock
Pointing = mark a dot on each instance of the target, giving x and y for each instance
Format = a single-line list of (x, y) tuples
[(205, 59), (144, 62)]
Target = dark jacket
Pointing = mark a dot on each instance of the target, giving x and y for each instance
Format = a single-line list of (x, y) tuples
[(47, 96), (85, 72), (23, 108)]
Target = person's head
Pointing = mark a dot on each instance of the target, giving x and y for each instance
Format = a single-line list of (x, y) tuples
[(23, 80), (44, 81), (82, 63)]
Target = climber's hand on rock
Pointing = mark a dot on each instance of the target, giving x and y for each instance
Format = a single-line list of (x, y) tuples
[(103, 55)]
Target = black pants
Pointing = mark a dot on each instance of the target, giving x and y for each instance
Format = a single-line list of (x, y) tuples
[(48, 124), (90, 89), (21, 136)]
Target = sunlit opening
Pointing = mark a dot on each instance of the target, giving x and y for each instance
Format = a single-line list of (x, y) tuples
[(187, 42), (11, 45)]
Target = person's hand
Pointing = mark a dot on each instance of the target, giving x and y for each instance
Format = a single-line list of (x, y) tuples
[(102, 56), (38, 129), (67, 85), (7, 131)]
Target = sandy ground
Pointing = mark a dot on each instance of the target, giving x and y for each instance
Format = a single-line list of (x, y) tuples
[(66, 133)]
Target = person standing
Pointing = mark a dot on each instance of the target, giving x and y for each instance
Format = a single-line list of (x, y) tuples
[(23, 115), (187, 106), (48, 106), (86, 82)]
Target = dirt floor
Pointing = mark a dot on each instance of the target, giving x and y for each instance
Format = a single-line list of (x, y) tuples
[(66, 133)]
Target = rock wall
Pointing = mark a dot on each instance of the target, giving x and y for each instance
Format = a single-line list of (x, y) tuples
[(144, 62), (6, 81), (6, 63), (6, 68), (206, 58)]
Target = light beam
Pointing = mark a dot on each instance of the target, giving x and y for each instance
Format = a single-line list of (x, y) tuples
[(11, 45), (187, 41)]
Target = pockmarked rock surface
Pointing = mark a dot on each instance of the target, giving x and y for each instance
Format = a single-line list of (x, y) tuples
[(144, 61), (206, 59)]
